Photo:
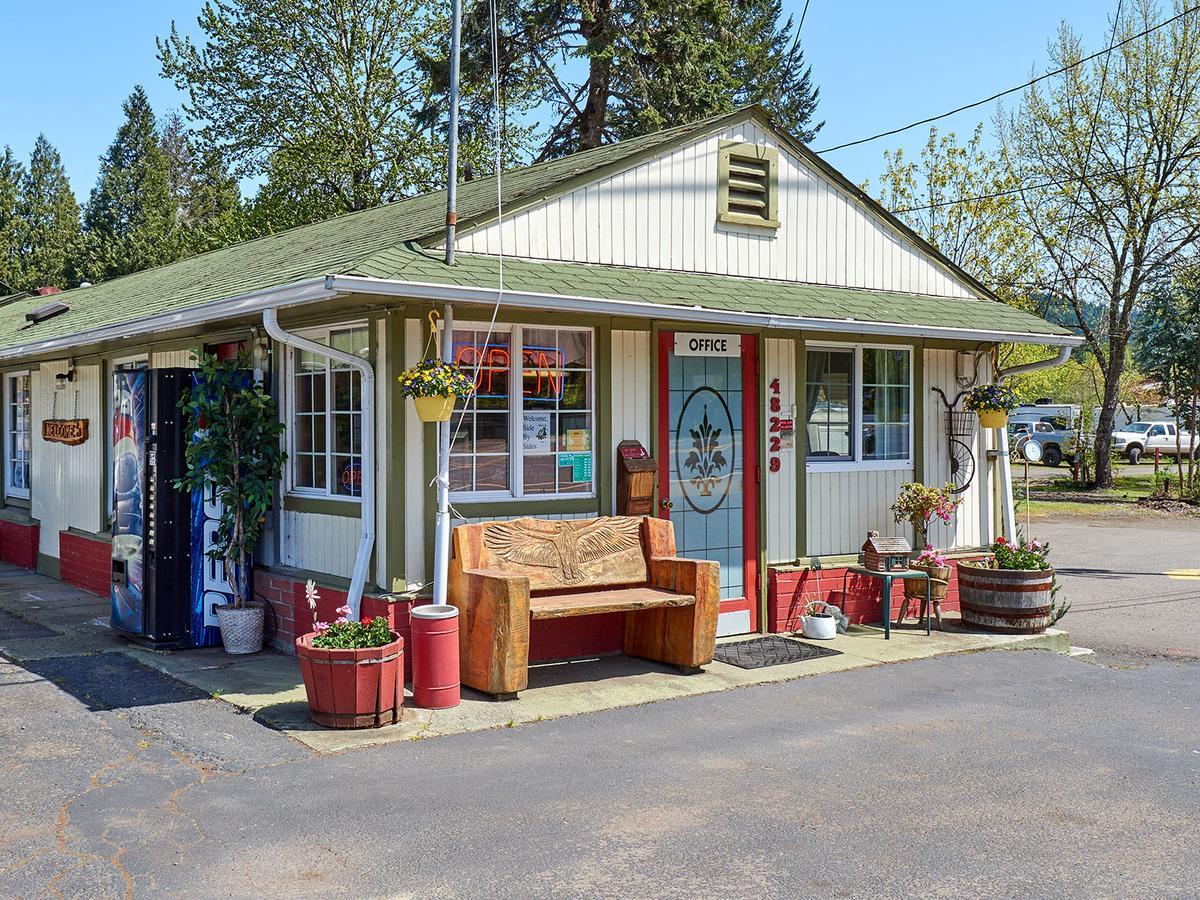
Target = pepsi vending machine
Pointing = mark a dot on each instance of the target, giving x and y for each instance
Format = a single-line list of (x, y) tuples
[(152, 596)]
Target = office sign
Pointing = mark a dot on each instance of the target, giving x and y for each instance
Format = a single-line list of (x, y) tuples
[(694, 344)]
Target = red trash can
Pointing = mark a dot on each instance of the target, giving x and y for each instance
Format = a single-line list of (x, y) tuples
[(435, 676)]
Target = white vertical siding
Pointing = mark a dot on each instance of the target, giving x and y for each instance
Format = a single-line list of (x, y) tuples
[(630, 392), (68, 482), (844, 506), (779, 488), (172, 359), (319, 543), (661, 214), (972, 524), (414, 467)]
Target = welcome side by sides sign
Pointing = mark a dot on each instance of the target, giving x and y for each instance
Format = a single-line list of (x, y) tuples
[(695, 344)]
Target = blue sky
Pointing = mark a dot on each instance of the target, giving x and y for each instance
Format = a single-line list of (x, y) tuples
[(68, 64)]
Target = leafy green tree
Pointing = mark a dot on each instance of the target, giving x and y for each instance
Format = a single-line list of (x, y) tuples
[(12, 173), (613, 69), (131, 218), (958, 197), (1166, 344), (1108, 158), (49, 220), (325, 98)]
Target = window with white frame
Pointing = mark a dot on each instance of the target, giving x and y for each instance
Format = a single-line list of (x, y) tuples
[(858, 406), (18, 435), (531, 442), (325, 433)]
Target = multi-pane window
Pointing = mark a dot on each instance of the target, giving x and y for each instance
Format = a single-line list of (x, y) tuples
[(18, 435), (885, 403), (858, 405), (326, 427), (829, 394), (535, 441)]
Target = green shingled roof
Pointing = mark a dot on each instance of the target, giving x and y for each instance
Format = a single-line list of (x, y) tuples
[(717, 292), (381, 242)]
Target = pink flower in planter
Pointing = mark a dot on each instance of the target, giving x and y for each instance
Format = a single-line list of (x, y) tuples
[(318, 627), (341, 620), (343, 610)]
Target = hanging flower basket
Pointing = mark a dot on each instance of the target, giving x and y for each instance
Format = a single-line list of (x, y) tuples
[(992, 403), (434, 385)]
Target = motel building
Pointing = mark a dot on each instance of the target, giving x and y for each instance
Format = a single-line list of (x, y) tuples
[(713, 303)]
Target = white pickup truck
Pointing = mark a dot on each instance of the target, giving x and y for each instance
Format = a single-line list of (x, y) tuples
[(1139, 439)]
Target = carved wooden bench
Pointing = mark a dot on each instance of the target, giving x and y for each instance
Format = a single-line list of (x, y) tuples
[(503, 574)]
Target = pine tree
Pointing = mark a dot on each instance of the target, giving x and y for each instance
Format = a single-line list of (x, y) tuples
[(131, 218), (11, 175), (49, 217), (614, 69), (207, 198)]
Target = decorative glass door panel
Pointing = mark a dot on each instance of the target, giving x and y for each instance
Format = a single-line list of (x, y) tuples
[(707, 459)]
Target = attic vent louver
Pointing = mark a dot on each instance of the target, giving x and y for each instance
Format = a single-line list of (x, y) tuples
[(747, 185), (46, 311)]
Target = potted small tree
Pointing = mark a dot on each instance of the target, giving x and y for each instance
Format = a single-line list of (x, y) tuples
[(235, 448), (918, 504), (434, 384), (353, 671), (1014, 592), (992, 403)]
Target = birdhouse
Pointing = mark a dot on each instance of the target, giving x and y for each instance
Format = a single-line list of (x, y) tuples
[(885, 554)]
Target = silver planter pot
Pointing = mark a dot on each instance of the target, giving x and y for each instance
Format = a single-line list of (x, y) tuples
[(242, 628)]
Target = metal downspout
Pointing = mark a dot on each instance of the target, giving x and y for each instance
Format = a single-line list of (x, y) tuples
[(367, 490), (1009, 507)]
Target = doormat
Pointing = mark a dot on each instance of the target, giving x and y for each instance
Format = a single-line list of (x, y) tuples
[(770, 650)]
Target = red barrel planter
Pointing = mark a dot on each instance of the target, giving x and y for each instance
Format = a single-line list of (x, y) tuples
[(361, 688), (1005, 601)]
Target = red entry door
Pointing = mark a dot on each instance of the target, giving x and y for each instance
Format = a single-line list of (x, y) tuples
[(708, 460)]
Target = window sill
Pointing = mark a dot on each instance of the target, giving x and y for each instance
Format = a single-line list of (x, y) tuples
[(499, 505), (324, 505), (849, 465)]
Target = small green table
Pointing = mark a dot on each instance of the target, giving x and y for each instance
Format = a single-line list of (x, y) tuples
[(885, 589)]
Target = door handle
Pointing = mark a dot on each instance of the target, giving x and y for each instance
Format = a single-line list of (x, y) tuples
[(667, 504)]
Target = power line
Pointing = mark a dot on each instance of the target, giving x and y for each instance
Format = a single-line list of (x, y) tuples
[(1008, 192), (1019, 87)]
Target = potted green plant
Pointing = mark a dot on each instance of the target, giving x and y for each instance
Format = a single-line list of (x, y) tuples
[(353, 671), (235, 449), (434, 385), (934, 562), (992, 403), (1012, 593), (918, 504)]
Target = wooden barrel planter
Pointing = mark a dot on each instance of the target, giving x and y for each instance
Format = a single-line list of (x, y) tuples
[(1005, 601), (361, 688), (914, 588)]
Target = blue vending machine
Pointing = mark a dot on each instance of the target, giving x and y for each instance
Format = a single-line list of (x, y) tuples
[(157, 543)]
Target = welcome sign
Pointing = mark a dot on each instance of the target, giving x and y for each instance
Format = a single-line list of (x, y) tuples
[(65, 431)]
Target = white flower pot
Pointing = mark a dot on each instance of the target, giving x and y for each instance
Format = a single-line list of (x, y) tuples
[(241, 628), (821, 628)]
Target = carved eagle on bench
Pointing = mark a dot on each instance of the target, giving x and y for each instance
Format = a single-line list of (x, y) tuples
[(563, 545)]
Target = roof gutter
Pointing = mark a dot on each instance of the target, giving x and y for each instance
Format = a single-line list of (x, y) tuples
[(202, 314), (367, 490), (593, 305)]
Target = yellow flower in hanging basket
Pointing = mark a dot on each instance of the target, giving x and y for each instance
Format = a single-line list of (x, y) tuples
[(434, 385), (993, 418), (434, 409)]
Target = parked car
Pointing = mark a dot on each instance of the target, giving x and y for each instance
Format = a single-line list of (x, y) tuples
[(1137, 439), (1055, 436)]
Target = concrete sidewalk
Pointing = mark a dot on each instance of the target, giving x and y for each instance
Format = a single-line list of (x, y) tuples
[(43, 618)]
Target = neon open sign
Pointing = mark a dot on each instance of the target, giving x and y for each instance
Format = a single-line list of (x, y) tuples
[(541, 375)]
